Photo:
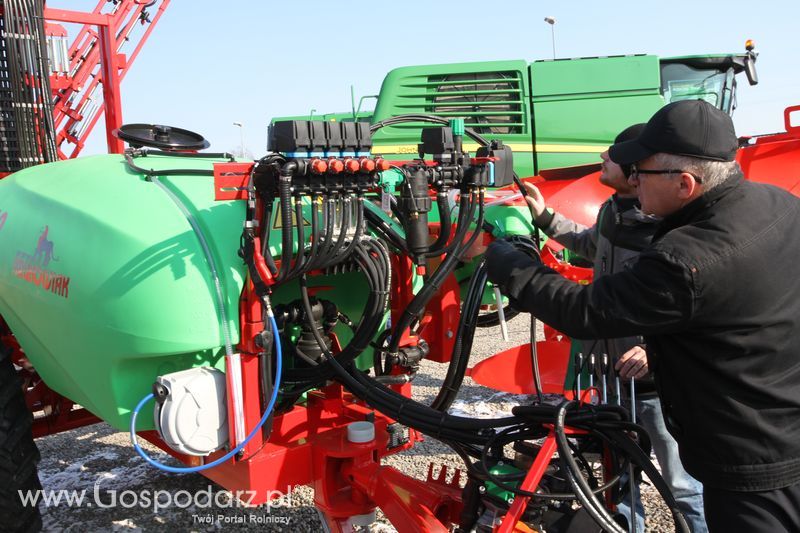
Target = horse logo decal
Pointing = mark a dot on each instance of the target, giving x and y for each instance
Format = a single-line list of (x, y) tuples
[(44, 250), (33, 268)]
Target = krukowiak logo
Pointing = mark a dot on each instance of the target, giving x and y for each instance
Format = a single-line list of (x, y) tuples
[(34, 268), (3, 217)]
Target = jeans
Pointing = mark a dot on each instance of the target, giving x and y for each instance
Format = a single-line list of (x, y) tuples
[(687, 491)]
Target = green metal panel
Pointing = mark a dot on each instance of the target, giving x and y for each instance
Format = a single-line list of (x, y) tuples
[(502, 469), (576, 77), (580, 105)]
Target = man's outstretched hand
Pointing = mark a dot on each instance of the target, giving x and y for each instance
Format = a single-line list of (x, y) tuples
[(632, 364), (501, 259), (534, 199)]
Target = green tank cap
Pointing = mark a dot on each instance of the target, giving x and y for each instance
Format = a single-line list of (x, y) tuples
[(457, 125), (390, 179)]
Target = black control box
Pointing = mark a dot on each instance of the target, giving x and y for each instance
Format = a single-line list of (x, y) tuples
[(317, 137)]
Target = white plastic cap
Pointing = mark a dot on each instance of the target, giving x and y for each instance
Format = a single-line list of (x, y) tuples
[(361, 432)]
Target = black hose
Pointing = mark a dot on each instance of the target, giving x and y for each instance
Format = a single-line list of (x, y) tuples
[(466, 210), (312, 255), (385, 231), (192, 155), (300, 257), (537, 377), (373, 263), (462, 347), (421, 117), (359, 229), (326, 239), (401, 408), (335, 254), (443, 205), (266, 224), (572, 470), (421, 299), (287, 240)]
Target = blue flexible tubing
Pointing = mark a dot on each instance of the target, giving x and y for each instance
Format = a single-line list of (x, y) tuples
[(233, 452)]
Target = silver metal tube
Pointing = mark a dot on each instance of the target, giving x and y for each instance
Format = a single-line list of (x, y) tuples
[(501, 316)]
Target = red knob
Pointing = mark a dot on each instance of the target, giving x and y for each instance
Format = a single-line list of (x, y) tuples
[(335, 166), (351, 165), (382, 164), (318, 166), (367, 164)]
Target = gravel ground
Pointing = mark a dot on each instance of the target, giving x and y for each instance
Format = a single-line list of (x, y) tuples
[(98, 459)]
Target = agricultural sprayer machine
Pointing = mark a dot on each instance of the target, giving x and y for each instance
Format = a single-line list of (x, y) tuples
[(263, 321)]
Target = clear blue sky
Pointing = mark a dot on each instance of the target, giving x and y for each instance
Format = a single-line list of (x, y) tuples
[(209, 63)]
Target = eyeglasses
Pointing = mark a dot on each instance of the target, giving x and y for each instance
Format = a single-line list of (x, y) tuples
[(636, 172)]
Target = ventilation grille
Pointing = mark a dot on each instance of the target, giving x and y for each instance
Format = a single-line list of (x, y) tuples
[(489, 102)]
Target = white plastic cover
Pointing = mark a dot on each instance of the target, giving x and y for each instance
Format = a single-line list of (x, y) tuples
[(194, 417)]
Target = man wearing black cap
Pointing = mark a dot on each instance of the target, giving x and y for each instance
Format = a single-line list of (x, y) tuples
[(612, 244), (716, 297)]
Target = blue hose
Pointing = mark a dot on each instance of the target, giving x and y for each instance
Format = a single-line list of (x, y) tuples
[(233, 452)]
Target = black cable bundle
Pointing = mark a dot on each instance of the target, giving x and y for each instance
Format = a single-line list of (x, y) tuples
[(446, 267), (29, 79)]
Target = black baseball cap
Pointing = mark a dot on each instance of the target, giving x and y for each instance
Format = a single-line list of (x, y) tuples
[(693, 128), (628, 134)]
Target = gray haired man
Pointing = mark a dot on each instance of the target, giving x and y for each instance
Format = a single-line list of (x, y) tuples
[(717, 298)]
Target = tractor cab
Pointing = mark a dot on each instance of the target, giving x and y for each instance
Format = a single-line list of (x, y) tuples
[(710, 78)]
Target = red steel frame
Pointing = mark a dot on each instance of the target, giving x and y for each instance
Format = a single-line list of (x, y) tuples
[(95, 58)]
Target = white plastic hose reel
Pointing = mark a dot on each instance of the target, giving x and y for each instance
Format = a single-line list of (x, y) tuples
[(191, 411)]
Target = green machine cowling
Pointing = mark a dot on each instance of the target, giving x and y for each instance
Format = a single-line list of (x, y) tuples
[(138, 300)]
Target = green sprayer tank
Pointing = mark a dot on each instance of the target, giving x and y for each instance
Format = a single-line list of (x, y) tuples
[(103, 281), (106, 286)]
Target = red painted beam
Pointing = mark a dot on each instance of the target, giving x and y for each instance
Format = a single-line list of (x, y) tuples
[(77, 17)]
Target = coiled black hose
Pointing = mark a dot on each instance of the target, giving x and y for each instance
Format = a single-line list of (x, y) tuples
[(285, 197)]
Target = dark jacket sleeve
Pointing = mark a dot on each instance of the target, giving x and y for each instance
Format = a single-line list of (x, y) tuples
[(654, 296), (575, 237)]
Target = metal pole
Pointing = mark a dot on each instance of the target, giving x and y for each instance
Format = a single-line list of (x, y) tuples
[(552, 22), (241, 135)]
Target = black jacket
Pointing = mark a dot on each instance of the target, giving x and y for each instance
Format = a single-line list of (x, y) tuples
[(717, 297), (620, 233)]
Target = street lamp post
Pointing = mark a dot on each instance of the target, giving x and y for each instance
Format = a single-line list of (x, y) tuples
[(552, 22), (241, 133)]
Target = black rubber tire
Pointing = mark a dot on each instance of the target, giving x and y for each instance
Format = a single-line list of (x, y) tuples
[(18, 453)]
